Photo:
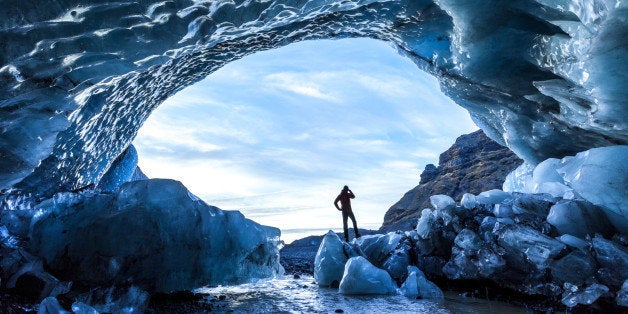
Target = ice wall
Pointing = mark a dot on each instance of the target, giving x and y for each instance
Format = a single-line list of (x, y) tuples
[(153, 234), (78, 78)]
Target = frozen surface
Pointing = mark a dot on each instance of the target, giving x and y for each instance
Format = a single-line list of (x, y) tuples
[(598, 175), (417, 286), (579, 218), (361, 277), (154, 234), (78, 78), (330, 260), (573, 296), (302, 296)]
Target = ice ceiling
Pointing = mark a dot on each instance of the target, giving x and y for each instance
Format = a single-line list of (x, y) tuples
[(78, 78)]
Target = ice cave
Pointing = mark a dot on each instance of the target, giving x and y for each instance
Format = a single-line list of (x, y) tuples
[(546, 78)]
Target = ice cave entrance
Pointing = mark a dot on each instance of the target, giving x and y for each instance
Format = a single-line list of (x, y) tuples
[(278, 133)]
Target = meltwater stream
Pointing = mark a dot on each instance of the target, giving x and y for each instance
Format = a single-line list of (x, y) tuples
[(302, 295)]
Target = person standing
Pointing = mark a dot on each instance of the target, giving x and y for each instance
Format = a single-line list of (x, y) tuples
[(344, 198)]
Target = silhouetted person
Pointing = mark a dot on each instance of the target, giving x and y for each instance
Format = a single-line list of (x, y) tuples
[(344, 198)]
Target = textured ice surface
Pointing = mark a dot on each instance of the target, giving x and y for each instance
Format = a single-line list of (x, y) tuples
[(416, 285), (154, 234), (535, 246), (492, 197), (573, 296), (573, 241), (579, 218), (622, 295), (361, 277), (330, 260), (468, 201), (50, 305), (78, 79), (599, 175), (121, 171)]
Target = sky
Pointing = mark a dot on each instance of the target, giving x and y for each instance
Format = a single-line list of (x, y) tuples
[(278, 133)]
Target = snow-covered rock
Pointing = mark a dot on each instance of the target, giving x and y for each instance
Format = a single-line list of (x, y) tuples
[(154, 234), (330, 260), (361, 277)]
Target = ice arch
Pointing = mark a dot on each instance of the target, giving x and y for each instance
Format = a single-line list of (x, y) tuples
[(78, 77)]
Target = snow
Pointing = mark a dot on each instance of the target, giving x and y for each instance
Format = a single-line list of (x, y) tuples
[(152, 233), (361, 277)]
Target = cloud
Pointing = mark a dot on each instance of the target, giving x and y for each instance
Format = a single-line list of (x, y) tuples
[(277, 134)]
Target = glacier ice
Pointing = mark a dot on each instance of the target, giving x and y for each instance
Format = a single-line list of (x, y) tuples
[(573, 296), (535, 246), (177, 241), (622, 295), (576, 268), (598, 175), (416, 285), (329, 263), (361, 277), (78, 83), (579, 218), (50, 305), (492, 197), (468, 201)]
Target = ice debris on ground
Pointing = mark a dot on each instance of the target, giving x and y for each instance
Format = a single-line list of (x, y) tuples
[(534, 243), (330, 260), (417, 286), (154, 234), (361, 277)]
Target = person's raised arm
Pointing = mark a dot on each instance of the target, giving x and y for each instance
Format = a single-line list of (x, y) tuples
[(351, 195), (336, 202)]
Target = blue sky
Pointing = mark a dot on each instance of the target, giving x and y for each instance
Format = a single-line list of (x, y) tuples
[(278, 133)]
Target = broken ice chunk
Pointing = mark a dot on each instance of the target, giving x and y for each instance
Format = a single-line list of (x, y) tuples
[(537, 247), (579, 218), (426, 223), (611, 255), (330, 261), (441, 202), (600, 175), (468, 240), (417, 285), (572, 296), (574, 268), (622, 295), (468, 201), (50, 305), (361, 277), (573, 241), (494, 196)]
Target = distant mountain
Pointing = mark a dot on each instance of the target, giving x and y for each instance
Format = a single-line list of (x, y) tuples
[(475, 163)]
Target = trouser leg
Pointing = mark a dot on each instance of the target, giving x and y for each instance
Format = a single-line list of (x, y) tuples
[(344, 225), (355, 225)]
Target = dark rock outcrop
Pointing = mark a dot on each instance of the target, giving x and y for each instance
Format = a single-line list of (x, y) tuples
[(475, 163)]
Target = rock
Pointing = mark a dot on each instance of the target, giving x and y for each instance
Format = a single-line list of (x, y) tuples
[(473, 164)]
